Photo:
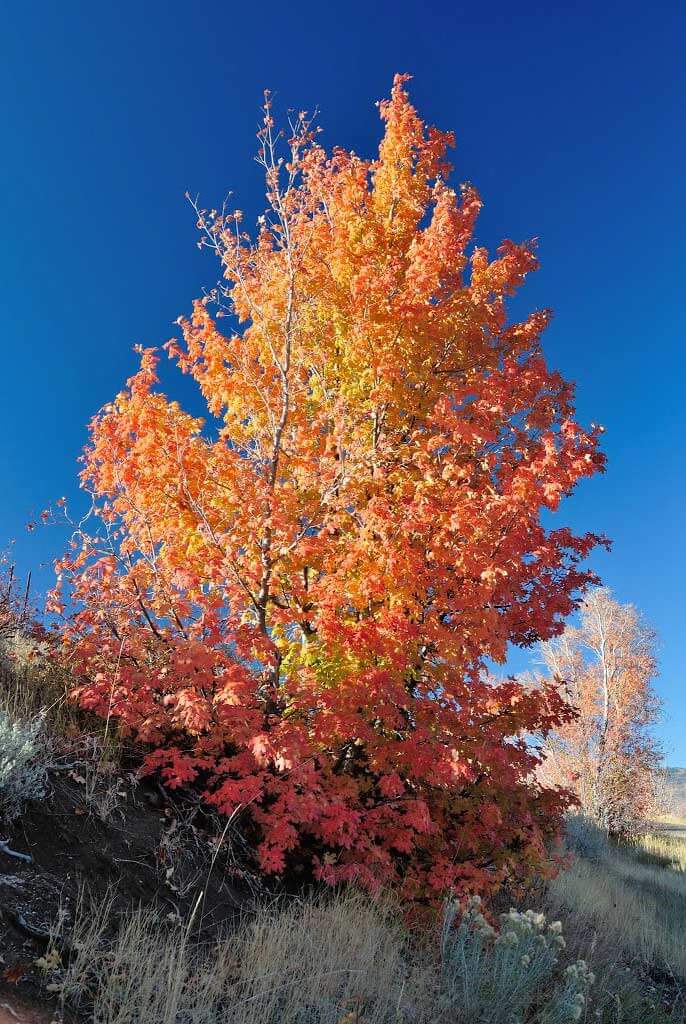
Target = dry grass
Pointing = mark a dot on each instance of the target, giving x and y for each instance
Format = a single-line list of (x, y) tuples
[(307, 962), (343, 959), (664, 846), (31, 686), (625, 908), (346, 960)]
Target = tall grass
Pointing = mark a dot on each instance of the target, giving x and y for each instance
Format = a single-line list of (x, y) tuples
[(306, 962), (344, 959), (664, 847), (31, 687), (626, 911)]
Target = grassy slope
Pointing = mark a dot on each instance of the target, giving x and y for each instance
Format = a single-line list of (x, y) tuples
[(626, 908), (349, 960)]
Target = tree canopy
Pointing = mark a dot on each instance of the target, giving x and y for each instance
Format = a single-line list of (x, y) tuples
[(293, 602)]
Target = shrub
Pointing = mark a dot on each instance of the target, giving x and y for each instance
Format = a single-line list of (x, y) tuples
[(22, 775), (509, 976)]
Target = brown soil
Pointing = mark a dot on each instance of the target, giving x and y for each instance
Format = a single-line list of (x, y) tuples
[(150, 850), (13, 1012)]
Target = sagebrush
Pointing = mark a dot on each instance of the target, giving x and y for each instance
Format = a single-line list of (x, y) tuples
[(23, 775)]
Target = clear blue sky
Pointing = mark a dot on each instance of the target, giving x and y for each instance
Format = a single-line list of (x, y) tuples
[(569, 121)]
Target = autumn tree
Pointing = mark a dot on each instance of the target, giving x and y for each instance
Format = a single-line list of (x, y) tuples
[(605, 667), (292, 601)]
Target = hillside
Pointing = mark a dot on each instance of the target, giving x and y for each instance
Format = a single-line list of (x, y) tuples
[(676, 791)]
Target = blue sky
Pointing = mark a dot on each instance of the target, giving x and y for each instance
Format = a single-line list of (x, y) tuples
[(569, 121)]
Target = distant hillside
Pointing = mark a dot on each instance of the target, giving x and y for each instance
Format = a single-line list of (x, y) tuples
[(676, 790)]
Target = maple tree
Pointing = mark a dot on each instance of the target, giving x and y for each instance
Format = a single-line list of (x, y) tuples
[(293, 602), (604, 667)]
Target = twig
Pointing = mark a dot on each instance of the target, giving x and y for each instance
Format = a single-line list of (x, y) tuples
[(4, 848)]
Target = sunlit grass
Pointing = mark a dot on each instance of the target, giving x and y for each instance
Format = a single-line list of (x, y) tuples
[(628, 904), (664, 847)]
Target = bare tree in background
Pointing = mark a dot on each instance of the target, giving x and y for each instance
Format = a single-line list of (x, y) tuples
[(608, 755), (14, 601)]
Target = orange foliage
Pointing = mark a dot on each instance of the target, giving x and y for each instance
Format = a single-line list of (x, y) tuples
[(293, 603)]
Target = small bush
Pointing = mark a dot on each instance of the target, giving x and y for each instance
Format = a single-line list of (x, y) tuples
[(22, 775), (510, 976)]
